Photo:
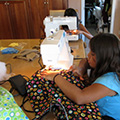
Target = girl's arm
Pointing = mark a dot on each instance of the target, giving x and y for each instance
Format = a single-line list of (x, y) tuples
[(81, 69), (89, 94), (83, 30), (88, 35), (83, 66)]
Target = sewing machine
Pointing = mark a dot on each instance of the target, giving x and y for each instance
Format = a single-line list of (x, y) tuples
[(54, 24), (56, 52)]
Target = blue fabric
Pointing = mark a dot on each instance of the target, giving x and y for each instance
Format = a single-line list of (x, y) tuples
[(108, 105), (9, 51)]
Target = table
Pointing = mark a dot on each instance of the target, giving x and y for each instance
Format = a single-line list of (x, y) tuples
[(26, 68)]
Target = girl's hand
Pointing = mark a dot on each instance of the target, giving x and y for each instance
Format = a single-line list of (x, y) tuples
[(76, 71), (74, 32), (77, 32), (49, 74)]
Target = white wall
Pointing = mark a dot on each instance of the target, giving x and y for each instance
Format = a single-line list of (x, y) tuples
[(79, 5), (74, 4), (115, 18)]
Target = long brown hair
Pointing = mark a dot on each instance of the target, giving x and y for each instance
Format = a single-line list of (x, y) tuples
[(106, 46)]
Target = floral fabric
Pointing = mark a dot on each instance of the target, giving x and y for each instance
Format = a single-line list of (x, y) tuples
[(9, 110), (45, 95)]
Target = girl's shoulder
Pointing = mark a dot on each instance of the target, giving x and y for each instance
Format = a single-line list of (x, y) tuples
[(109, 80), (111, 76)]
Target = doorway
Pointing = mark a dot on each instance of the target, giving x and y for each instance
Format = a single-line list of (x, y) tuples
[(90, 20), (98, 16)]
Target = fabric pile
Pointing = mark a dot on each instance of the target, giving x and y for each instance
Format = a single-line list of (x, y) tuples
[(9, 110), (45, 96), (28, 54)]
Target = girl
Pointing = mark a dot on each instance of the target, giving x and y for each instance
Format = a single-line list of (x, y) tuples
[(80, 28), (104, 59)]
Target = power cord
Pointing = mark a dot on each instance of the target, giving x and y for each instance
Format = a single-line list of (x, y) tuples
[(3, 81), (40, 57), (39, 61)]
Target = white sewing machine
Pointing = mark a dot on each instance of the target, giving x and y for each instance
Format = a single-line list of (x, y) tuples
[(56, 52), (54, 24)]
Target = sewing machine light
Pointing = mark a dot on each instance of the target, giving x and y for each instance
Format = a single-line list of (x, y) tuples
[(74, 31)]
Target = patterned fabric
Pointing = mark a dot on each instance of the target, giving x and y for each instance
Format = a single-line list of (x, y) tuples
[(45, 95), (9, 110)]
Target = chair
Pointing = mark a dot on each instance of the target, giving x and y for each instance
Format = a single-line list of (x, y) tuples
[(97, 12), (56, 13), (101, 26)]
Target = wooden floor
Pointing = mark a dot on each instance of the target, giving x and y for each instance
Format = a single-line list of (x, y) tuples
[(27, 68)]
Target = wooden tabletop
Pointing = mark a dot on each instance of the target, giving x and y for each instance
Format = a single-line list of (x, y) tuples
[(20, 66), (23, 67)]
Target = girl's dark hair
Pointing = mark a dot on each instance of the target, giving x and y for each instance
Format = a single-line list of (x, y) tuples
[(106, 46), (71, 12)]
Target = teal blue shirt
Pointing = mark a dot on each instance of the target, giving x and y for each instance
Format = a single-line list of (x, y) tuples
[(108, 105)]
